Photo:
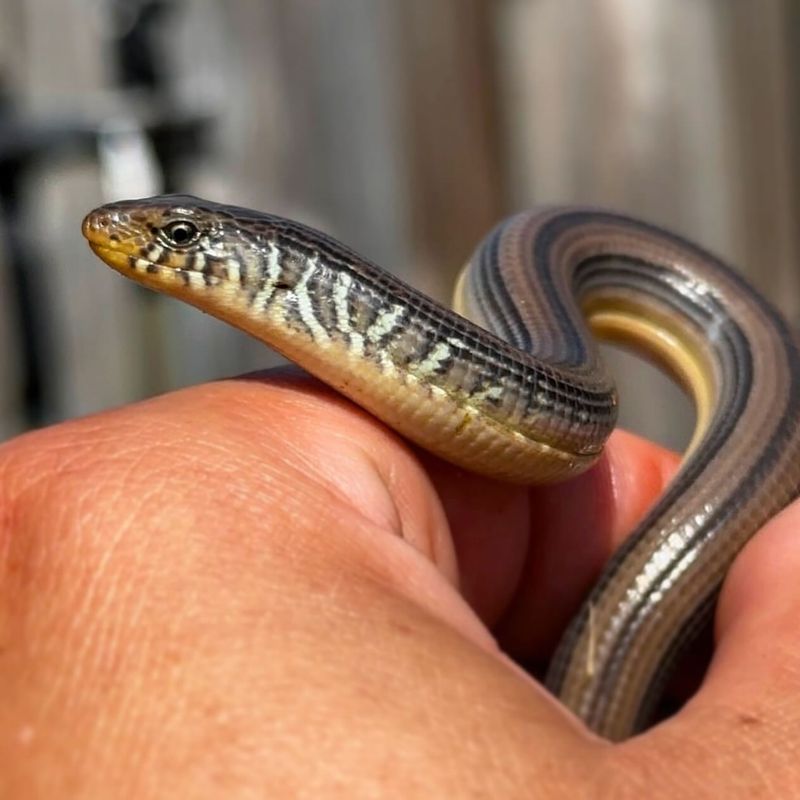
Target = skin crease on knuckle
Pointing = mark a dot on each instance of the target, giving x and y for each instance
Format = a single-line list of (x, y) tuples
[(57, 485)]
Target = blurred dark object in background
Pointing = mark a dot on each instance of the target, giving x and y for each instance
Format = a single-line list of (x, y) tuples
[(25, 146), (135, 49), (405, 127), (30, 144)]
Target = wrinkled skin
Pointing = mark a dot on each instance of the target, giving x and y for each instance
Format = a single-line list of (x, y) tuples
[(248, 588)]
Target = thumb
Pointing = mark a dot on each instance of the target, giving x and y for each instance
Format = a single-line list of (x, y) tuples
[(747, 712)]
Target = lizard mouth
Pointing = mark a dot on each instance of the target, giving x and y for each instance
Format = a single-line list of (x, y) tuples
[(117, 259)]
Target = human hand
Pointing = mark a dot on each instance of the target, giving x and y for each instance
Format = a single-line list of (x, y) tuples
[(250, 588)]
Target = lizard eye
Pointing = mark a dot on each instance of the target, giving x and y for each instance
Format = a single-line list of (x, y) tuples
[(180, 233)]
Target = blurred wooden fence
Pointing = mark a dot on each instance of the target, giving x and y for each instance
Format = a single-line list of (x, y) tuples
[(407, 128)]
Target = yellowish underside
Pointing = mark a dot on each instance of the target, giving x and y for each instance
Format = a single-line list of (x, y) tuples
[(661, 339), (652, 333)]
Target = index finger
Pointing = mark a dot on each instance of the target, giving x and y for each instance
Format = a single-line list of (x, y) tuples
[(527, 557)]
